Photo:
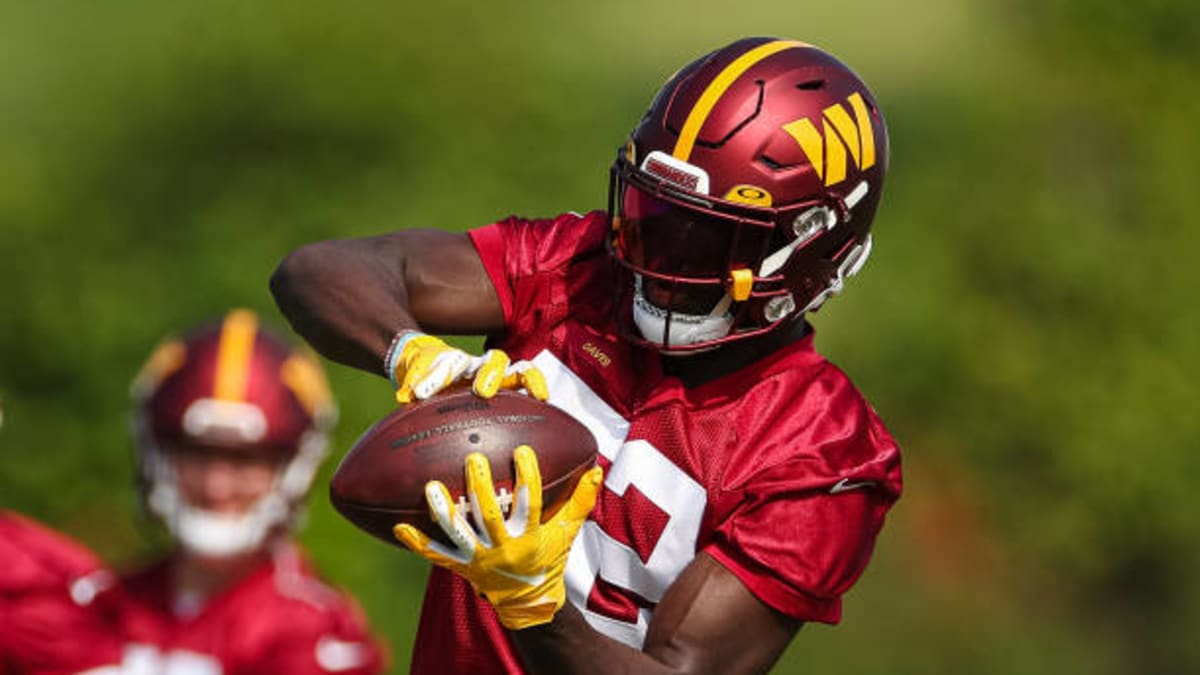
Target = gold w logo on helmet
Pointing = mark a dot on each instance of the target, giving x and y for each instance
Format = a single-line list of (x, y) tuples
[(840, 135)]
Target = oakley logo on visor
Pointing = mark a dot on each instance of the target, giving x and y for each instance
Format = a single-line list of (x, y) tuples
[(677, 172)]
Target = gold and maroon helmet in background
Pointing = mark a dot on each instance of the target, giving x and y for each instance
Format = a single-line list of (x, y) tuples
[(230, 386), (751, 184)]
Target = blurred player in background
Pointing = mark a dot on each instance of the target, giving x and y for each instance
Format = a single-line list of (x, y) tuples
[(745, 478), (230, 425)]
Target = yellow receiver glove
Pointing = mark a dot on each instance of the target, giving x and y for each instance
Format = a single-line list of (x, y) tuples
[(426, 365), (518, 563)]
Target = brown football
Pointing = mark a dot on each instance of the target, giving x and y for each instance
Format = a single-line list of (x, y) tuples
[(381, 480)]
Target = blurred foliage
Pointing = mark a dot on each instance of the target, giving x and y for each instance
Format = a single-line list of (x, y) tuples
[(1026, 327)]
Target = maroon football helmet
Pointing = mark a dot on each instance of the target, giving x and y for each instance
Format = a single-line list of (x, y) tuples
[(230, 387), (745, 195)]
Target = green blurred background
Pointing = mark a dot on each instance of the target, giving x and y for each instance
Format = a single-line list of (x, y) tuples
[(1027, 326)]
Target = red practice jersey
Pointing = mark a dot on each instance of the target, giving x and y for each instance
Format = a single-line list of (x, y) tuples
[(48, 621), (278, 619), (780, 471)]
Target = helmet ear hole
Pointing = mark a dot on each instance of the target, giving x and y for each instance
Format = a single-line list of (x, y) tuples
[(811, 85)]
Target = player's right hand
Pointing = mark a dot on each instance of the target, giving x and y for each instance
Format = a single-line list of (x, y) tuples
[(425, 365), (518, 563)]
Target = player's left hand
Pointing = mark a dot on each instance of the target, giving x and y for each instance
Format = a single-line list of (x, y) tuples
[(423, 365), (518, 563)]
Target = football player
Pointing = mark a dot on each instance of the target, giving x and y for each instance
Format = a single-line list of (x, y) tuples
[(742, 478), (230, 424)]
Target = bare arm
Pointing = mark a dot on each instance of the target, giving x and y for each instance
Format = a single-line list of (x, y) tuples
[(349, 297), (708, 622)]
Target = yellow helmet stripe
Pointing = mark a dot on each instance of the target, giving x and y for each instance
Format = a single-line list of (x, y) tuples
[(233, 355), (716, 88), (865, 133), (303, 375)]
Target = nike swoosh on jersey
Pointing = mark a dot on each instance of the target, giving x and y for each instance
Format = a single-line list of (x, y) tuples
[(844, 485)]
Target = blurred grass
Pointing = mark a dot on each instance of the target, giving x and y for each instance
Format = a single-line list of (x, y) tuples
[(1026, 326)]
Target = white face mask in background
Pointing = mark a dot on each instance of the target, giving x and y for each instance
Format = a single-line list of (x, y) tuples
[(219, 535)]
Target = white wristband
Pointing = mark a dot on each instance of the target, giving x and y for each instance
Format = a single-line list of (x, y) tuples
[(394, 351)]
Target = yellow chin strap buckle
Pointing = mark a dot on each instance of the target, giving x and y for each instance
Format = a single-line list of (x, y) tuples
[(743, 281)]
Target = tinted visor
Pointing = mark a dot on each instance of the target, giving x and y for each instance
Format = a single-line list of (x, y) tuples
[(670, 237)]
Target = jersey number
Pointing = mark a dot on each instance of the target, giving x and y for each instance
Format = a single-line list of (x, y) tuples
[(142, 659), (646, 574)]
